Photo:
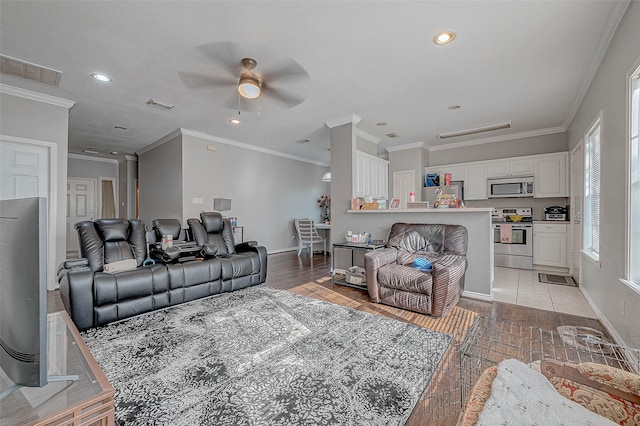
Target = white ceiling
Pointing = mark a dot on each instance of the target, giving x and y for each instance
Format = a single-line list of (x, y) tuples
[(524, 62)]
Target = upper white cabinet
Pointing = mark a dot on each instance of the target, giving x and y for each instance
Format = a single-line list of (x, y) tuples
[(475, 182), (372, 176), (507, 168), (550, 175)]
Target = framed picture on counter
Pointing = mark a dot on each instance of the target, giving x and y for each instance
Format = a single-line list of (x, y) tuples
[(395, 203)]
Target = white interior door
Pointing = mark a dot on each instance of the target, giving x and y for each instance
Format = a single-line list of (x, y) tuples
[(27, 169), (404, 182), (575, 212), (81, 205)]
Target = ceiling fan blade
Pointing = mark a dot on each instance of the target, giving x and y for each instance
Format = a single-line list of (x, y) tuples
[(225, 54), (281, 97), (288, 72), (198, 80)]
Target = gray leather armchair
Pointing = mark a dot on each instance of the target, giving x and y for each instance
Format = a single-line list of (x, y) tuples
[(392, 280)]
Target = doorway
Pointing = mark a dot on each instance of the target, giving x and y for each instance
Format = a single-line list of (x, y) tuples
[(404, 182), (575, 213), (81, 205)]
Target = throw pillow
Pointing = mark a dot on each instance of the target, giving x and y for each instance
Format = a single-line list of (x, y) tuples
[(120, 265)]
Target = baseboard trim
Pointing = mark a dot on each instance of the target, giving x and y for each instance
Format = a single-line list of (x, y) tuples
[(478, 296), (284, 250)]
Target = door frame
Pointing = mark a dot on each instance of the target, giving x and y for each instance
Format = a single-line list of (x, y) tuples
[(114, 183), (576, 229), (52, 201)]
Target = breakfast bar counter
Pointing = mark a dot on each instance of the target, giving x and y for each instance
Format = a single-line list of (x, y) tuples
[(479, 275)]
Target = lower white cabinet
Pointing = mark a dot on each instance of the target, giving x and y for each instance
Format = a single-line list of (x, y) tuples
[(550, 244)]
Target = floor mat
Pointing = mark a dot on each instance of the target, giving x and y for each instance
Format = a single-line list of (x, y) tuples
[(556, 279)]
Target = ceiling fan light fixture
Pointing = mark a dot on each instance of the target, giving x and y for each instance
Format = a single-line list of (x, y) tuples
[(249, 87)]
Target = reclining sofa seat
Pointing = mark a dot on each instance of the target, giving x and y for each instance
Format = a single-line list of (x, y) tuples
[(94, 297), (163, 227), (392, 280), (243, 265)]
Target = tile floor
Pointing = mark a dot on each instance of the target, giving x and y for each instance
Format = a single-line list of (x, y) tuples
[(521, 287)]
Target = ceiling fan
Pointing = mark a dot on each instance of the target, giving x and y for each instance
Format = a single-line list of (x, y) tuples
[(276, 79)]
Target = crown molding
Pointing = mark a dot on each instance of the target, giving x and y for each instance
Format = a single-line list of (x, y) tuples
[(512, 136), (355, 119), (225, 141), (35, 96), (367, 136), (407, 146), (611, 24), (160, 141), (92, 158)]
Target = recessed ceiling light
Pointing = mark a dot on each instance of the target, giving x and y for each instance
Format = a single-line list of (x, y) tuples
[(392, 135), (234, 121), (101, 77), (114, 152), (381, 123), (444, 37), (454, 107)]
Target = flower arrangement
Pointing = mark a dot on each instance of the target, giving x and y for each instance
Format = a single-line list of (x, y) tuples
[(324, 202)]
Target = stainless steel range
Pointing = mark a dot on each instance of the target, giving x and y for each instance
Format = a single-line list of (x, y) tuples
[(513, 240)]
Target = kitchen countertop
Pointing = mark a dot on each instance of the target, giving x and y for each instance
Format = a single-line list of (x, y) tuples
[(559, 222)]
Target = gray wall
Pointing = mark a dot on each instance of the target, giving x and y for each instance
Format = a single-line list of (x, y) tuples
[(408, 159), (160, 180), (89, 168), (556, 142), (41, 121), (267, 191), (608, 93)]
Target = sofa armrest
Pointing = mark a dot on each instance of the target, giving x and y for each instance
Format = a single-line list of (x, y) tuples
[(76, 292), (252, 246), (166, 255), (373, 261), (447, 274)]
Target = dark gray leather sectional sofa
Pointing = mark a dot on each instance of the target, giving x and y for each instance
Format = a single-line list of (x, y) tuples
[(94, 297)]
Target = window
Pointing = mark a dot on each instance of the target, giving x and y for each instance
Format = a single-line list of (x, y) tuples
[(634, 181), (591, 241)]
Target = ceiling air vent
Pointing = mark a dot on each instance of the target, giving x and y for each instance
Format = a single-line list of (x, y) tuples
[(28, 71), (474, 131), (158, 104)]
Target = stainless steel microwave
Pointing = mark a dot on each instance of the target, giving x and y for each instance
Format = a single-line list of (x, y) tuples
[(510, 187)]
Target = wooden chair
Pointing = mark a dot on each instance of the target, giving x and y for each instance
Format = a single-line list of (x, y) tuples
[(308, 236)]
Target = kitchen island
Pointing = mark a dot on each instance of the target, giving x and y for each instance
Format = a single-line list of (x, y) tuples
[(479, 274)]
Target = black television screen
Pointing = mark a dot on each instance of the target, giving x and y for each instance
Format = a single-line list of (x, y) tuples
[(23, 290)]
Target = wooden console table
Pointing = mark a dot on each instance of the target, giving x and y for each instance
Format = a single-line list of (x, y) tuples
[(86, 401)]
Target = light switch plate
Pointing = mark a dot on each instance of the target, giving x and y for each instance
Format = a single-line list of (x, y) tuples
[(198, 200)]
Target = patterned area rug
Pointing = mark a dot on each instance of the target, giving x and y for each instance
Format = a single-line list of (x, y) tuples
[(262, 356)]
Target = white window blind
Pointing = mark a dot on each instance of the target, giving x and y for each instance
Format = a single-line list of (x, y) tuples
[(592, 192), (634, 183)]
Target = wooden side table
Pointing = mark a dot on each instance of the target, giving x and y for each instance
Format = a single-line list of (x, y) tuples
[(86, 401)]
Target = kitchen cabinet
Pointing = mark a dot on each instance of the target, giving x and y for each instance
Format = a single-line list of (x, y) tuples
[(551, 175), (550, 244), (508, 168), (475, 182), (372, 176)]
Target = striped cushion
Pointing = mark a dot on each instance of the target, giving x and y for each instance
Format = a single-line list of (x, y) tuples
[(405, 278)]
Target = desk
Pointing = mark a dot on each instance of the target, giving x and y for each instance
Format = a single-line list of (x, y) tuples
[(88, 400), (327, 230)]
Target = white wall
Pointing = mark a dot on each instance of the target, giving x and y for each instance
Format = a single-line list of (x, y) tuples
[(607, 92), (556, 142), (43, 121), (267, 191), (160, 180)]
